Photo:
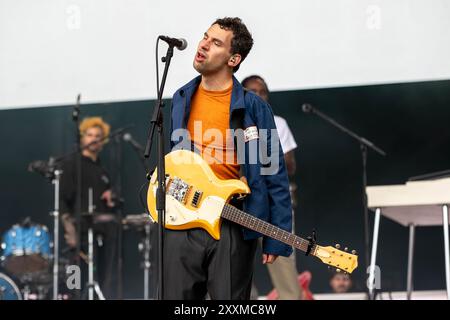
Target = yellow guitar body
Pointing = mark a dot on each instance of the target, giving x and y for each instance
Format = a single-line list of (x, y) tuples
[(195, 196)]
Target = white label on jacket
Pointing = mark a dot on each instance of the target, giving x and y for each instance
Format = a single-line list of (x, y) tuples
[(251, 133)]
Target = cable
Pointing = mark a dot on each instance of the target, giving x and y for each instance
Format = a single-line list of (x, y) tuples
[(157, 67), (141, 199)]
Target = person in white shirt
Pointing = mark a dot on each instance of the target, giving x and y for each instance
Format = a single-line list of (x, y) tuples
[(283, 272)]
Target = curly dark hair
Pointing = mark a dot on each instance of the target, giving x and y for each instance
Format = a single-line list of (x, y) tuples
[(242, 41)]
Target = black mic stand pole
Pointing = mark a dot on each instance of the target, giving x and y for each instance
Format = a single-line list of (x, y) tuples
[(118, 190), (364, 145), (76, 119), (157, 121)]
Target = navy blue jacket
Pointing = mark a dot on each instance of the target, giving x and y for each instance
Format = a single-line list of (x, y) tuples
[(270, 198)]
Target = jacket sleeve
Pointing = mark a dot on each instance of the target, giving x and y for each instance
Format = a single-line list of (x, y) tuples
[(275, 177)]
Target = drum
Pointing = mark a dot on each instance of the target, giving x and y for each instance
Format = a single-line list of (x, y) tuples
[(26, 249), (8, 289)]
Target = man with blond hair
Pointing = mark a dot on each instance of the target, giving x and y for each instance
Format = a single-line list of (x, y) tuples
[(94, 134)]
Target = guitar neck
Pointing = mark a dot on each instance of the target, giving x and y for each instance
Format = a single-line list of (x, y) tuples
[(244, 219)]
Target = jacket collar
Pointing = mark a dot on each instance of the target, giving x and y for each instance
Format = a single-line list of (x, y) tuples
[(237, 94)]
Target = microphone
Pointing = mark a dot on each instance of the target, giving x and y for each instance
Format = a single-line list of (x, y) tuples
[(42, 167), (76, 109), (129, 138), (181, 43), (307, 108)]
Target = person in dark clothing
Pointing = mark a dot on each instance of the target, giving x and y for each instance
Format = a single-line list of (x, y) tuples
[(94, 176), (341, 282)]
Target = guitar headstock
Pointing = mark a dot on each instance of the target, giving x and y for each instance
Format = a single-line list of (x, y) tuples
[(342, 260)]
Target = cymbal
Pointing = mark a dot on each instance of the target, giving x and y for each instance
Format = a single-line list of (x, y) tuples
[(137, 220), (98, 217), (95, 213)]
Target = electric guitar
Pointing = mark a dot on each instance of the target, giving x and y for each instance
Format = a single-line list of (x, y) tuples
[(197, 198)]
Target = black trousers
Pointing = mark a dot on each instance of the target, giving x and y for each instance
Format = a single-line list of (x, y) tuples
[(195, 264)]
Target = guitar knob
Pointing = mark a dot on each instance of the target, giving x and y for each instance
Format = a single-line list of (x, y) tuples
[(353, 251), (338, 245)]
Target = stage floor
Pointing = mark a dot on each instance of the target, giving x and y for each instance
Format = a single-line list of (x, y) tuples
[(396, 295)]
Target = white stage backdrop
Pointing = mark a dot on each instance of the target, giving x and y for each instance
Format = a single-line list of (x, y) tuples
[(51, 50)]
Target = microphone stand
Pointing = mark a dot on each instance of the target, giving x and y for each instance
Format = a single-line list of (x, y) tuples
[(157, 122), (147, 264), (364, 146), (118, 187), (53, 174), (92, 284), (76, 119)]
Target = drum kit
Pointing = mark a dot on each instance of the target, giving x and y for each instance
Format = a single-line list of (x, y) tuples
[(27, 260)]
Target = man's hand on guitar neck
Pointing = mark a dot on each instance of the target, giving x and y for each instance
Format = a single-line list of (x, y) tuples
[(268, 258)]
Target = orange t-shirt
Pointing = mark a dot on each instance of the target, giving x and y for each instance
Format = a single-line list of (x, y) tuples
[(209, 127)]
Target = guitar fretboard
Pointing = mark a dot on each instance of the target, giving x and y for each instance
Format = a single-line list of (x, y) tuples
[(244, 219)]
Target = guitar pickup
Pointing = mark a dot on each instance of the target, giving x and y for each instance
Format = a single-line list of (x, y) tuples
[(196, 198), (179, 189)]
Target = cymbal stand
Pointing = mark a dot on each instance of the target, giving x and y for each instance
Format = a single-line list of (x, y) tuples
[(55, 214), (92, 285)]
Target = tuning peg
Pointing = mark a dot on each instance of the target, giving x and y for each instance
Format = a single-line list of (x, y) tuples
[(338, 270), (345, 249), (337, 246), (353, 251)]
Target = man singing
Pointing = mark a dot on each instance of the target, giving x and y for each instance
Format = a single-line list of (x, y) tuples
[(207, 107)]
